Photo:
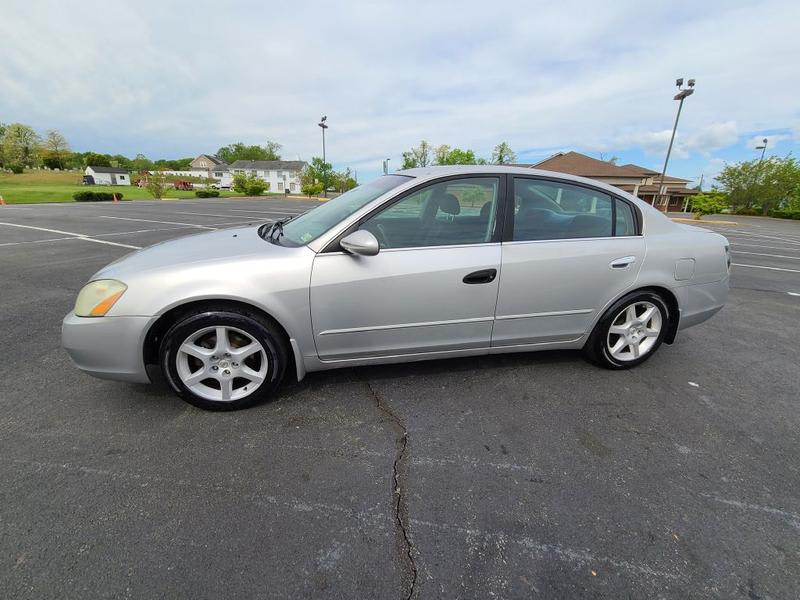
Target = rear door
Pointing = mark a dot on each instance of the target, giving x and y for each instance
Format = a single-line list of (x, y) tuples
[(433, 285), (571, 250)]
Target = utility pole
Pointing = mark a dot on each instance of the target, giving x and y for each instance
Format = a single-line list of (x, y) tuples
[(763, 148), (386, 166), (681, 96), (324, 126)]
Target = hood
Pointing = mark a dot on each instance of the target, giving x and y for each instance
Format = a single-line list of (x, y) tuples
[(206, 247)]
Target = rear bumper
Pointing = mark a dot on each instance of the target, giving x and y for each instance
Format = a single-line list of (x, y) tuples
[(702, 301), (107, 347)]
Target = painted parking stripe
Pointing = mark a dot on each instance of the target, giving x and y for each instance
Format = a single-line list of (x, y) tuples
[(764, 267), (784, 248), (154, 221), (79, 236), (735, 252), (58, 239)]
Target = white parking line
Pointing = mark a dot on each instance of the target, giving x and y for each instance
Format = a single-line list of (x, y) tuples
[(793, 293), (268, 212), (58, 239), (768, 268), (79, 236), (768, 237), (154, 221), (769, 247), (199, 214), (735, 252)]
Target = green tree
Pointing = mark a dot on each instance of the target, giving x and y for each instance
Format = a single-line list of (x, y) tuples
[(503, 154), (420, 156), (344, 181), (19, 147), (249, 185), (760, 185), (157, 185), (55, 149), (141, 163), (94, 159), (239, 151), (454, 156), (709, 203), (319, 172)]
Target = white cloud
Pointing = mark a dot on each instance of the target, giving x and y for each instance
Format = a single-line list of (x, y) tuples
[(171, 78)]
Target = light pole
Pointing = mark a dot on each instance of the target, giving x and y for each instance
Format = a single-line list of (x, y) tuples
[(681, 96), (763, 148), (386, 166), (324, 126)]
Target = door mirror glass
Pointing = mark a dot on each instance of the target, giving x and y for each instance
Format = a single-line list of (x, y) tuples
[(360, 242)]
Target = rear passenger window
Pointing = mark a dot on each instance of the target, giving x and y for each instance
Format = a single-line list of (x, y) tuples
[(625, 223), (548, 210)]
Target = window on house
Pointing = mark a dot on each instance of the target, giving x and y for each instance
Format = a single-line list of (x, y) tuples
[(280, 186)]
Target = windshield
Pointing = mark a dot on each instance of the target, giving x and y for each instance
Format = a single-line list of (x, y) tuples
[(309, 226)]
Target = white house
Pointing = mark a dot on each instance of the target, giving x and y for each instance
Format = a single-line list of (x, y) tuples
[(108, 175), (281, 175)]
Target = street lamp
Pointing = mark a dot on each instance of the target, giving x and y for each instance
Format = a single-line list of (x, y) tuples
[(323, 126), (763, 148), (682, 94)]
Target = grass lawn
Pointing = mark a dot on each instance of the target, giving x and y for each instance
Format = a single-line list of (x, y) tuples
[(50, 186)]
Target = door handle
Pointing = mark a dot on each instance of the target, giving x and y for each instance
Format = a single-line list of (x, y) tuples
[(483, 276), (622, 263)]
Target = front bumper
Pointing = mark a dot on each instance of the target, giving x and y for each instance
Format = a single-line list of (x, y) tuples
[(107, 347)]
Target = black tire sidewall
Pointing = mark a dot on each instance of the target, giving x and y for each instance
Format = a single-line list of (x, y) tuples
[(596, 346), (258, 328)]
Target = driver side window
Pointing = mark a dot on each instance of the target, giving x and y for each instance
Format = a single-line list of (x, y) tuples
[(456, 211)]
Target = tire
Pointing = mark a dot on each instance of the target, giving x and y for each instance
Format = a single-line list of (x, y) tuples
[(241, 371), (609, 347)]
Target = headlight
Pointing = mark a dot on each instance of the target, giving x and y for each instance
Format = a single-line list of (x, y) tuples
[(97, 297)]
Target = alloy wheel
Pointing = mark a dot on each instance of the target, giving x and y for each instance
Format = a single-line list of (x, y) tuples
[(222, 363), (634, 331)]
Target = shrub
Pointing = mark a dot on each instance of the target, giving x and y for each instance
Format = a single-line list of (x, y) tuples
[(89, 196), (785, 214), (312, 189), (748, 212), (249, 185), (207, 193), (709, 203)]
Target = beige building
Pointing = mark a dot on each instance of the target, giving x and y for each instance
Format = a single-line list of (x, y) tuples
[(639, 181)]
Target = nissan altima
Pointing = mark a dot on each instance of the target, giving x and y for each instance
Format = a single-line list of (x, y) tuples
[(426, 263)]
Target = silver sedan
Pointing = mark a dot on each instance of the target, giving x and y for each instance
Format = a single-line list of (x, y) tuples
[(426, 263)]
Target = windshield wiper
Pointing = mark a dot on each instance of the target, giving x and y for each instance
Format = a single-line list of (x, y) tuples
[(273, 232)]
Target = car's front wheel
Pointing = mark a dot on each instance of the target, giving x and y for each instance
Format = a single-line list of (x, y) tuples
[(223, 359), (629, 332)]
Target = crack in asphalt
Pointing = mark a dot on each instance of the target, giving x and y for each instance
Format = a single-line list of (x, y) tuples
[(400, 506)]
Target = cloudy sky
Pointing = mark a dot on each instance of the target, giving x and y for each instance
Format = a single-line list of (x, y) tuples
[(173, 79)]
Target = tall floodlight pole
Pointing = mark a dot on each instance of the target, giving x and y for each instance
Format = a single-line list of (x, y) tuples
[(763, 148), (681, 96), (324, 126)]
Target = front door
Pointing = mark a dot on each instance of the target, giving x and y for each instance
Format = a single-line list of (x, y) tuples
[(573, 250), (431, 288)]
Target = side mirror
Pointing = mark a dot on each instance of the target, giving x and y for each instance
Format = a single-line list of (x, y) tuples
[(360, 242)]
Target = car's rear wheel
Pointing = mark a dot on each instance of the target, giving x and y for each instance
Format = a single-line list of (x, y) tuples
[(629, 332), (224, 360)]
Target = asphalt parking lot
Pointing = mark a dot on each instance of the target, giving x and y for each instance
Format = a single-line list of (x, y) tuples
[(512, 476)]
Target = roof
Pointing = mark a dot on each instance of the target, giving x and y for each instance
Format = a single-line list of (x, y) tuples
[(108, 170), (216, 167), (576, 163), (270, 165), (212, 158)]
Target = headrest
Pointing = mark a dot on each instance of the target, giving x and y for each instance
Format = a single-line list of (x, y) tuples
[(448, 204), (486, 210)]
